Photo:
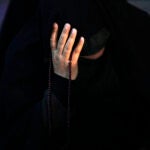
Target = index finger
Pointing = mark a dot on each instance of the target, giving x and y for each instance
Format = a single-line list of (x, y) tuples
[(77, 50)]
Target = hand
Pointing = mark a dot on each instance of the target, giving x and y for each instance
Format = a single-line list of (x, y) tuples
[(62, 53)]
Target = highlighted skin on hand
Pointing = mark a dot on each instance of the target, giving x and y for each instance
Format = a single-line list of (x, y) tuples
[(63, 52)]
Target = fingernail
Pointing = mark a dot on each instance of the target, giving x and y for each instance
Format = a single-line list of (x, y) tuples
[(74, 30), (67, 25), (82, 38)]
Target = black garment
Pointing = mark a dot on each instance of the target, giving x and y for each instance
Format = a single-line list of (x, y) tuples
[(18, 13), (124, 76), (109, 108)]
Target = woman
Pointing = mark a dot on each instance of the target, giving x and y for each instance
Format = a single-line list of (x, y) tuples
[(96, 96)]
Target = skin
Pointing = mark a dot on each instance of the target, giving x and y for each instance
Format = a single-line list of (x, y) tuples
[(62, 53)]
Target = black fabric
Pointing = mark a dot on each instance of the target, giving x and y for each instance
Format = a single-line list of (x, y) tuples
[(21, 91), (96, 42), (18, 13), (122, 87), (110, 98)]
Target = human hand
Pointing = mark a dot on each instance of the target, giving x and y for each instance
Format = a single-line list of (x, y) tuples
[(63, 52)]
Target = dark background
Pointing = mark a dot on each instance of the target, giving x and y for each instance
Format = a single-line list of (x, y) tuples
[(142, 4), (3, 8)]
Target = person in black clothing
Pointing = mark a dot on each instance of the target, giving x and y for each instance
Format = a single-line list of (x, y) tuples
[(100, 100)]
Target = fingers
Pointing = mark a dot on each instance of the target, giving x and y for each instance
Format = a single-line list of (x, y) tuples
[(77, 51), (53, 39), (63, 38), (69, 44), (65, 43)]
